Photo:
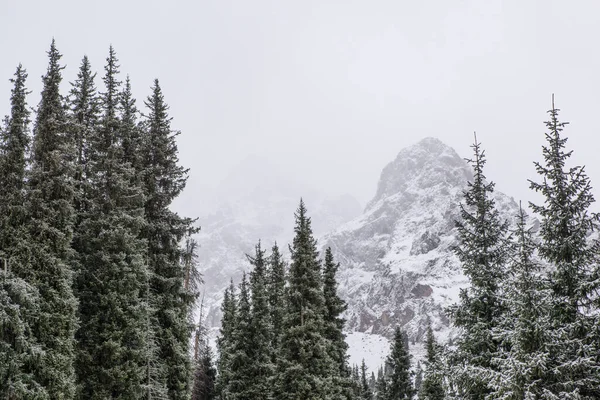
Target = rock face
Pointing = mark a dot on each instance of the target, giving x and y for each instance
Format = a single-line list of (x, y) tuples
[(397, 263)]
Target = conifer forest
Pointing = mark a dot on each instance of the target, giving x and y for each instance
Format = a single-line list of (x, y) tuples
[(101, 282)]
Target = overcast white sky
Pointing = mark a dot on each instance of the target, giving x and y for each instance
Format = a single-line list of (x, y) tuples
[(330, 91)]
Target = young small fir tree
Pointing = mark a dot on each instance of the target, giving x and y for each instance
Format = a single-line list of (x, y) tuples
[(365, 388), (432, 385), (399, 385)]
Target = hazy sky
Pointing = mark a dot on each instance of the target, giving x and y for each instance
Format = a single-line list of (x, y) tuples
[(330, 91)]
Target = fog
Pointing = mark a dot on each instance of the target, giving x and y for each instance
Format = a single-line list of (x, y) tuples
[(328, 92)]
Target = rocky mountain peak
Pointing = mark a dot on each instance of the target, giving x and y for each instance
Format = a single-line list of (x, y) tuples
[(425, 164)]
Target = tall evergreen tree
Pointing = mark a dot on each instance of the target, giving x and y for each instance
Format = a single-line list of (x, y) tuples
[(566, 224), (49, 198), (432, 386), (365, 388), (164, 180), (482, 251), (305, 366), (260, 346), (276, 290), (334, 326), (524, 333), (14, 145), (381, 385), (18, 299), (240, 378), (113, 278), (225, 341), (399, 385)]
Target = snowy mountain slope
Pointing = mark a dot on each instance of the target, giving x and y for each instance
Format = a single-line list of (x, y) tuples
[(397, 266)]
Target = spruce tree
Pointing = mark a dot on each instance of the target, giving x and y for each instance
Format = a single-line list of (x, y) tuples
[(399, 385), (305, 367), (365, 389), (18, 300), (276, 291), (334, 325), (241, 362), (482, 250), (113, 278), (84, 108), (226, 340), (164, 179), (566, 224), (524, 333), (259, 335), (49, 203), (14, 146), (432, 386), (381, 385)]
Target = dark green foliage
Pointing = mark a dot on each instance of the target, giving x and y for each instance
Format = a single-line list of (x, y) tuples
[(49, 198), (113, 277), (84, 107), (399, 385), (432, 385), (525, 331), (276, 291), (381, 385), (365, 388), (14, 145), (482, 252), (163, 181), (260, 347), (225, 341), (305, 367), (241, 362), (334, 326), (566, 224)]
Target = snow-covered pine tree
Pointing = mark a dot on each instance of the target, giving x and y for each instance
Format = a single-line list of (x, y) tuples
[(112, 282), (524, 333), (365, 388), (241, 362), (399, 385), (566, 224), (260, 348), (276, 290), (14, 146), (482, 250), (334, 327), (49, 203), (304, 367), (225, 341), (163, 181), (18, 299), (432, 386)]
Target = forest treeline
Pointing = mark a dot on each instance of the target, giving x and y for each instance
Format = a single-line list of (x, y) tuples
[(97, 277), (528, 325)]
